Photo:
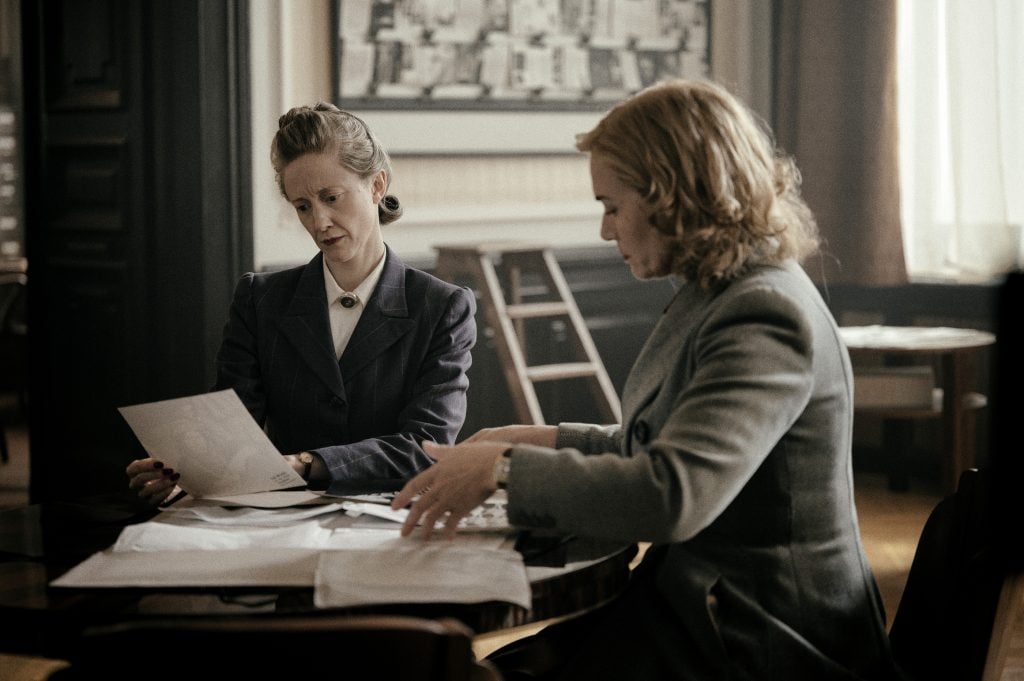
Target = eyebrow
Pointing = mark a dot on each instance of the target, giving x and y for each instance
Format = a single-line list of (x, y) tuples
[(319, 192)]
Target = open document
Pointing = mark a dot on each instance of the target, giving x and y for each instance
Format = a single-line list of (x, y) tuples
[(214, 443), (345, 560)]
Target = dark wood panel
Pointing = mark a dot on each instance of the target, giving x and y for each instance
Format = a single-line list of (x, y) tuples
[(90, 201), (87, 50), (79, 375), (137, 201)]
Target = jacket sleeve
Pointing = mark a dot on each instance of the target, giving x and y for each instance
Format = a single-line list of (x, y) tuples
[(752, 380), (589, 438)]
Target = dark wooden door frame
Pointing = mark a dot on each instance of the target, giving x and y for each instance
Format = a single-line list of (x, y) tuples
[(138, 217)]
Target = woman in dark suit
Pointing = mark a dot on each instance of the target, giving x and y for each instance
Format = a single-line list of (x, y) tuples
[(733, 457), (353, 359)]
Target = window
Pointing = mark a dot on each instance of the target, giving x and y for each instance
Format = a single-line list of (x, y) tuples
[(961, 118)]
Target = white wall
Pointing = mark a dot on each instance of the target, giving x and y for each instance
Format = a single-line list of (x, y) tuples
[(540, 192)]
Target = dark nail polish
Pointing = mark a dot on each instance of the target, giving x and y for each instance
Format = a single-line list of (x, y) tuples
[(158, 465), (175, 477), (168, 471)]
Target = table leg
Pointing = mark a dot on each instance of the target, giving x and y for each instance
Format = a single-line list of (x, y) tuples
[(958, 439)]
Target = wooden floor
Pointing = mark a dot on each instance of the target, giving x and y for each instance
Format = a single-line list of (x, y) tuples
[(890, 525)]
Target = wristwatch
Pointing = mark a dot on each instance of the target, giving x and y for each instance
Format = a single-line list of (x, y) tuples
[(306, 459), (501, 468)]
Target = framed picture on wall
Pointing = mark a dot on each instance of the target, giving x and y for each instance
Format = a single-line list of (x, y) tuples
[(536, 56)]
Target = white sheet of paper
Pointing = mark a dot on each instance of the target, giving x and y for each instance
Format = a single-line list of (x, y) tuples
[(273, 499), (186, 535), (259, 566), (386, 538), (213, 442), (249, 516), (173, 552), (420, 572)]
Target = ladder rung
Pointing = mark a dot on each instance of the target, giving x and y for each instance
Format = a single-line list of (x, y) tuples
[(555, 372), (530, 310)]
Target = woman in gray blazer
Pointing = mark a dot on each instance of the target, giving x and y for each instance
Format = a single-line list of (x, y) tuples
[(734, 454), (349, 361)]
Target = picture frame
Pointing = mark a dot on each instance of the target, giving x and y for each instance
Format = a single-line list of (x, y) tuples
[(500, 76)]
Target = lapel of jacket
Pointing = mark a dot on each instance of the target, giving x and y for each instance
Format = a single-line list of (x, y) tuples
[(384, 320), (660, 353), (306, 326)]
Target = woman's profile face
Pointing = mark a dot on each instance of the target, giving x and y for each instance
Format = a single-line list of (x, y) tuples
[(626, 221), (337, 207)]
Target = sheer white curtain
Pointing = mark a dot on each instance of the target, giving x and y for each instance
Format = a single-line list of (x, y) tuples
[(961, 129)]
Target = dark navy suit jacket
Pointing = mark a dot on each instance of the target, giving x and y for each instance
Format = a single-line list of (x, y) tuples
[(401, 379)]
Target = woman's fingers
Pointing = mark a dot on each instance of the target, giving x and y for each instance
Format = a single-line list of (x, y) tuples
[(451, 525), (143, 473), (483, 434), (156, 491), (430, 519), (441, 496), (414, 493), (437, 452), (432, 516), (142, 480), (412, 489), (151, 479), (143, 466), (428, 508)]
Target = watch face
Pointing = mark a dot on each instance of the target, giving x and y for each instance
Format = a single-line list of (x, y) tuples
[(306, 457)]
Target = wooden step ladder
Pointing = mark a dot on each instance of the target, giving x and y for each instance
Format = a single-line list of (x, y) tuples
[(486, 266)]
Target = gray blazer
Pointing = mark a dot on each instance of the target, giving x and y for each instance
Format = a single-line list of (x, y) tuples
[(734, 459), (401, 379)]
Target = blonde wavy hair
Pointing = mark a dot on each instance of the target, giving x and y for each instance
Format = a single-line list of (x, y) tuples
[(324, 128), (710, 173)]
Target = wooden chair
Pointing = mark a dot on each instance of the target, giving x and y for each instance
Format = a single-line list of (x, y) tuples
[(944, 621), (323, 646), (13, 344)]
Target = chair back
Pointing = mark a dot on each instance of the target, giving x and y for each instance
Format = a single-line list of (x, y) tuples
[(12, 302), (13, 338), (391, 647), (943, 622)]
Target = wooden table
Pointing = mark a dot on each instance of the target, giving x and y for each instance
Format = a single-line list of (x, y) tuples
[(953, 352), (38, 543)]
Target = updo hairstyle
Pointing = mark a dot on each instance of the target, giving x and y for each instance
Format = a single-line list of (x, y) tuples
[(324, 128)]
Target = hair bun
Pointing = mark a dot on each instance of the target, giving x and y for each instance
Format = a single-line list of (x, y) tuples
[(326, 106), (292, 115)]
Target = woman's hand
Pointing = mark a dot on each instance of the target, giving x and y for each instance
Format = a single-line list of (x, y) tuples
[(154, 481), (461, 480), (542, 436)]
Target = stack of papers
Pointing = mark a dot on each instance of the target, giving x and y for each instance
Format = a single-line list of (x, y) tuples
[(421, 573), (243, 527), (346, 565)]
